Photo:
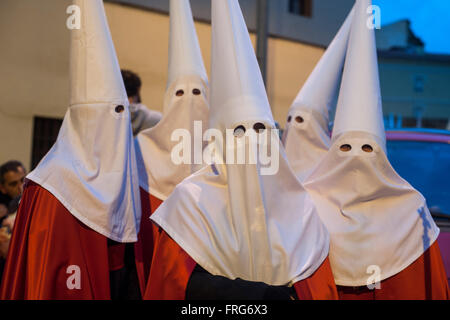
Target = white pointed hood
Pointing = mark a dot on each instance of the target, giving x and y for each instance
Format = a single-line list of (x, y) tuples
[(359, 104), (235, 75), (236, 219), (185, 57), (91, 169), (319, 93), (307, 137), (185, 111), (376, 219)]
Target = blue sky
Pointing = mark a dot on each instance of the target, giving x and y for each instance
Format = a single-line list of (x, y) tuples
[(430, 20)]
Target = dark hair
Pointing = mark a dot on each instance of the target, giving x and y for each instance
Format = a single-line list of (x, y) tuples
[(12, 165), (132, 83)]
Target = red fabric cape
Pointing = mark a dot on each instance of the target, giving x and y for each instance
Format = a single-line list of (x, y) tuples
[(172, 267), (47, 240), (424, 279), (319, 286), (143, 249)]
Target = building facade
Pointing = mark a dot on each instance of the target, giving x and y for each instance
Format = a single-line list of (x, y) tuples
[(415, 85)]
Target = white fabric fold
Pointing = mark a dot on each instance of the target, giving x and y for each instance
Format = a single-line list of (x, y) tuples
[(375, 218), (237, 223)]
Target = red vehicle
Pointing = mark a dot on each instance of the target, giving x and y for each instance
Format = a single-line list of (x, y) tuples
[(422, 157)]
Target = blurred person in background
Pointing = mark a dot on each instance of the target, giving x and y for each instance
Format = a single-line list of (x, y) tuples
[(141, 117), (12, 175), (5, 237)]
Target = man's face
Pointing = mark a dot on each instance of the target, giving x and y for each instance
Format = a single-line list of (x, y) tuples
[(13, 185)]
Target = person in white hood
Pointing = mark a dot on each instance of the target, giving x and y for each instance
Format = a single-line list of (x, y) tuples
[(185, 110), (383, 237), (82, 200), (237, 230), (306, 137)]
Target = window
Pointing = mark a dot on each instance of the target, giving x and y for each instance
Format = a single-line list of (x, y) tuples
[(419, 83), (45, 132), (430, 123), (301, 7)]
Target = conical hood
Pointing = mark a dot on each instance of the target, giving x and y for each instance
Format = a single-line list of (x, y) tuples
[(185, 57), (319, 93), (185, 109), (238, 219), (307, 135), (94, 70), (359, 104), (94, 151), (237, 88)]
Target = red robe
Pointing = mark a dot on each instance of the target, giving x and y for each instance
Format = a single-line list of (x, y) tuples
[(143, 249), (172, 268), (51, 249), (424, 279)]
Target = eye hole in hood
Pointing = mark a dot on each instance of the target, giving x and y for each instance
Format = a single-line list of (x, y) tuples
[(367, 148), (120, 109), (259, 127), (345, 148), (239, 131), (299, 119)]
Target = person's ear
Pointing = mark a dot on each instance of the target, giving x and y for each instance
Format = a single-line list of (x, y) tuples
[(2, 189)]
